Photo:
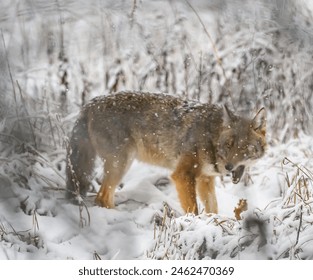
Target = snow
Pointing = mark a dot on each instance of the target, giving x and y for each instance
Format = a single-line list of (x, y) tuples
[(40, 224), (161, 51)]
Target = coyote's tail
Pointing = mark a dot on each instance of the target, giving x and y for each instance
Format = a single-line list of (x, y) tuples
[(80, 159)]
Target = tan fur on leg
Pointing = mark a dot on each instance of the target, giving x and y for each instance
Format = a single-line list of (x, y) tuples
[(206, 192), (115, 169), (185, 183), (105, 196)]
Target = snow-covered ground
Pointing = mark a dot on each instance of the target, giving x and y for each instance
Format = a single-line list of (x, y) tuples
[(56, 56), (39, 224)]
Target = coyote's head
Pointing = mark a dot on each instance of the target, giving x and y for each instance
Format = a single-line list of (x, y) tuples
[(240, 143)]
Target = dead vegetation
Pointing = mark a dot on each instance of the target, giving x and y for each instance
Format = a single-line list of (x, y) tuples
[(247, 60), (281, 231)]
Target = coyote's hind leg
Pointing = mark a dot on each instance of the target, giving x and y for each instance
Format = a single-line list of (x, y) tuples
[(114, 170)]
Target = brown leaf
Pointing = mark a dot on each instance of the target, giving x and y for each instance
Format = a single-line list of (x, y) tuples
[(241, 207)]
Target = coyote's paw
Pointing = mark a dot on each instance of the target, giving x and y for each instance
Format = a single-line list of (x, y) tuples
[(101, 201)]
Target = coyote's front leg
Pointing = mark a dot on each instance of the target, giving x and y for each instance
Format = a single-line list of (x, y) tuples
[(184, 177), (206, 192)]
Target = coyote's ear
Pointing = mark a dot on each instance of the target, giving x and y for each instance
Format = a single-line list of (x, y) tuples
[(229, 116), (259, 121)]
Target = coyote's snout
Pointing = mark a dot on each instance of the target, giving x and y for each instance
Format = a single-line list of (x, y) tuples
[(196, 141)]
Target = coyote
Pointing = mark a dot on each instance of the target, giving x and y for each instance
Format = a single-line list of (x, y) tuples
[(196, 141)]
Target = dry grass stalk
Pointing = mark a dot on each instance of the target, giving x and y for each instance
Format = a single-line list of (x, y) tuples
[(218, 59), (96, 256), (299, 185)]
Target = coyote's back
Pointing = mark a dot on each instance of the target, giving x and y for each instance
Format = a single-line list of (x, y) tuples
[(197, 141)]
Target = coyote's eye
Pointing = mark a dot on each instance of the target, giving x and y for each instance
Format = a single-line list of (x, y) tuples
[(229, 144)]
